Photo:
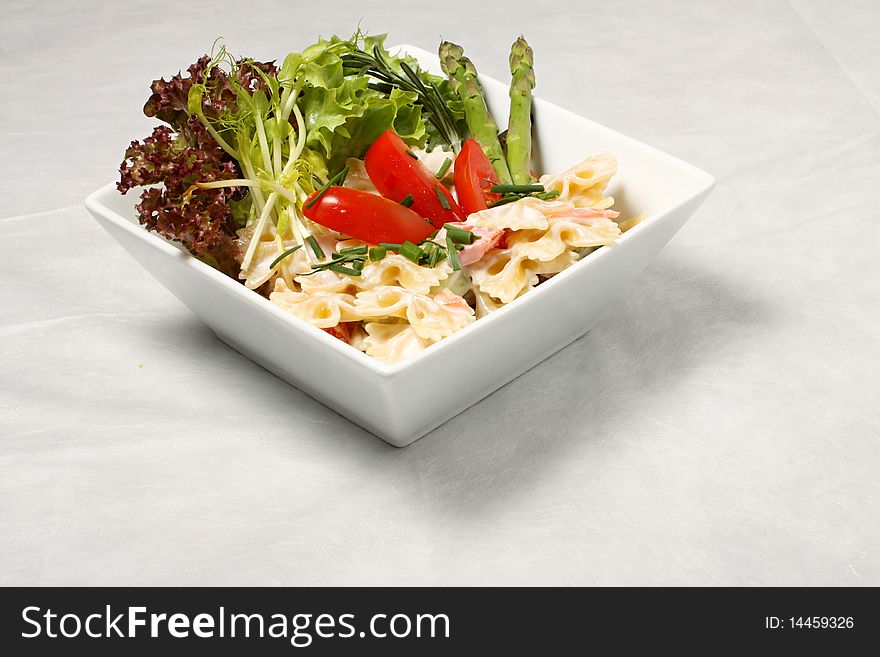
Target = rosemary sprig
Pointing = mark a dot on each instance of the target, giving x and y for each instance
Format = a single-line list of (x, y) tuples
[(375, 65)]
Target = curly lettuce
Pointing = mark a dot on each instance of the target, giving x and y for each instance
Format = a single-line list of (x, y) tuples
[(246, 142)]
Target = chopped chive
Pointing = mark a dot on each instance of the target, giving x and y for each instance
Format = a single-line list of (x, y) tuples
[(516, 189), (452, 253), (407, 200), (443, 200), (358, 265), (459, 247), (460, 235), (410, 251), (444, 168), (354, 250), (340, 258), (546, 196), (389, 246), (318, 196), (316, 248), (428, 220), (377, 253), (341, 269), (505, 201), (411, 154), (434, 256), (338, 179), (284, 255)]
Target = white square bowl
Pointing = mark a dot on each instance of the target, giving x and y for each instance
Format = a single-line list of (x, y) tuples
[(404, 401)]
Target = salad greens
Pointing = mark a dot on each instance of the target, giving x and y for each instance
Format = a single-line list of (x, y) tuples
[(245, 143)]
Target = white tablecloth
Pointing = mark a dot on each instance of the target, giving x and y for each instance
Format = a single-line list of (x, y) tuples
[(719, 426)]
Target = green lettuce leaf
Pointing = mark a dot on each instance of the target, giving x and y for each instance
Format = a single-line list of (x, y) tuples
[(344, 120)]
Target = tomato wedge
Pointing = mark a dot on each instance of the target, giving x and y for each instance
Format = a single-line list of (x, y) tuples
[(366, 216), (474, 176), (397, 173)]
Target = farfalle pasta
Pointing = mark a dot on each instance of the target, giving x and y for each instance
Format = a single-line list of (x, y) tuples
[(543, 238), (394, 305), (504, 275), (392, 270), (378, 201), (432, 318), (390, 343), (583, 185), (321, 309)]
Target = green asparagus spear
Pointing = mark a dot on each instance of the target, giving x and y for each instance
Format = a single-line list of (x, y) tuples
[(463, 80), (519, 127)]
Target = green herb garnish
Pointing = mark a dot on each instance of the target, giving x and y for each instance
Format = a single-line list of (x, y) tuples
[(444, 168), (338, 179), (410, 251), (407, 200), (377, 253), (374, 63), (284, 255), (516, 189), (411, 154), (316, 248), (342, 269), (433, 253), (505, 200), (442, 197), (452, 254), (460, 235)]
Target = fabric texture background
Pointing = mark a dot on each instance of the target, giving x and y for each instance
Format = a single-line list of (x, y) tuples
[(720, 425)]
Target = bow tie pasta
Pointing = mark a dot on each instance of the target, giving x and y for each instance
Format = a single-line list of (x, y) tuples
[(432, 318), (544, 238), (395, 304), (393, 269), (391, 342), (583, 185), (321, 309)]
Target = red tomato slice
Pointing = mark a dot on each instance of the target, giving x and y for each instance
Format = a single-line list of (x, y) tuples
[(341, 331), (396, 173), (367, 217), (474, 176)]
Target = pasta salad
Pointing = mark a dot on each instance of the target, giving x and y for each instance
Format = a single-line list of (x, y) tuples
[(361, 194)]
